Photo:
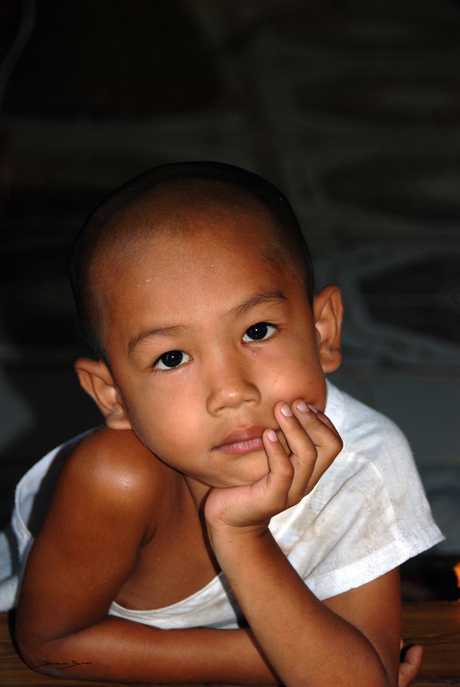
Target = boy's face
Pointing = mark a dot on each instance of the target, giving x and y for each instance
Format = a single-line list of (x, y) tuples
[(197, 379)]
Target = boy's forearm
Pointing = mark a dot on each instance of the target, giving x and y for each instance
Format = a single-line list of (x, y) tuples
[(121, 650), (305, 642)]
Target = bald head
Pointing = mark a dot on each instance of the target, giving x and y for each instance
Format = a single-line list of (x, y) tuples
[(178, 199)]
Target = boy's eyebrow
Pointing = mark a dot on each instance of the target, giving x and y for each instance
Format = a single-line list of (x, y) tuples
[(258, 299), (234, 313), (157, 331)]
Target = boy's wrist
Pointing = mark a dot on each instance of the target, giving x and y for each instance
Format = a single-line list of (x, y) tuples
[(222, 535)]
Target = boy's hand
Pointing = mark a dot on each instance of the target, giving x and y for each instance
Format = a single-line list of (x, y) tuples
[(298, 455), (411, 662)]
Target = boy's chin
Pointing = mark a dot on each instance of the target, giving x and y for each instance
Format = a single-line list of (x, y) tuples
[(248, 470), (242, 472)]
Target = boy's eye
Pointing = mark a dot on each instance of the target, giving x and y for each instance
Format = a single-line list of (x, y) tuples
[(259, 331), (171, 359)]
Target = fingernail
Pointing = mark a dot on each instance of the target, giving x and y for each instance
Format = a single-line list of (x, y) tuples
[(315, 410), (302, 407), (271, 434), (287, 412)]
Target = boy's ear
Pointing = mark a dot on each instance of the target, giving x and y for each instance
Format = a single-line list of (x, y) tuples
[(328, 316), (96, 379)]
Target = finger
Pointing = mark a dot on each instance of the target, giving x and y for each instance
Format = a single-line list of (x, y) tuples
[(324, 419), (320, 426), (410, 665), (322, 434), (327, 441), (281, 470), (303, 452), (295, 427)]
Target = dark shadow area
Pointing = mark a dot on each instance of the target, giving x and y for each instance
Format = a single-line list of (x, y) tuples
[(61, 411), (429, 577), (114, 59)]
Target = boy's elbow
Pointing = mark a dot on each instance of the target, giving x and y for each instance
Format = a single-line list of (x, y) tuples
[(372, 675), (37, 658), (33, 657), (35, 653)]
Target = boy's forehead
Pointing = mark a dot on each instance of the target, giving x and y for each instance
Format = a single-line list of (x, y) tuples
[(200, 254), (230, 233), (152, 223)]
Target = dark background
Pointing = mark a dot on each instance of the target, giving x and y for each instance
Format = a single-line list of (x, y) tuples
[(352, 108)]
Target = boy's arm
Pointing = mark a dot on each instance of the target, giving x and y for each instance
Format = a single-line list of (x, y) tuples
[(100, 515), (351, 639)]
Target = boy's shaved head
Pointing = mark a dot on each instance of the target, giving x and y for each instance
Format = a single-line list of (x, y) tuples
[(174, 199)]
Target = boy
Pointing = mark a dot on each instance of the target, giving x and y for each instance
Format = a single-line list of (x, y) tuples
[(195, 289)]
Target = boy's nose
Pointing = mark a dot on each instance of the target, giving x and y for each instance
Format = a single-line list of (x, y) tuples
[(230, 385)]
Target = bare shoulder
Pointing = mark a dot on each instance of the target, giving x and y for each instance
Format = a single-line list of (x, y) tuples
[(113, 469), (115, 455)]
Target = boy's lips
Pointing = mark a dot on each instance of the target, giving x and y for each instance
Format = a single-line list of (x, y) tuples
[(242, 441)]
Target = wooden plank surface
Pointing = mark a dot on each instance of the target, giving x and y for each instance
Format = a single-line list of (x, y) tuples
[(435, 624)]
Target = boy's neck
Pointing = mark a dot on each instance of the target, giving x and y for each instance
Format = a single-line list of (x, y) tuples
[(198, 490)]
